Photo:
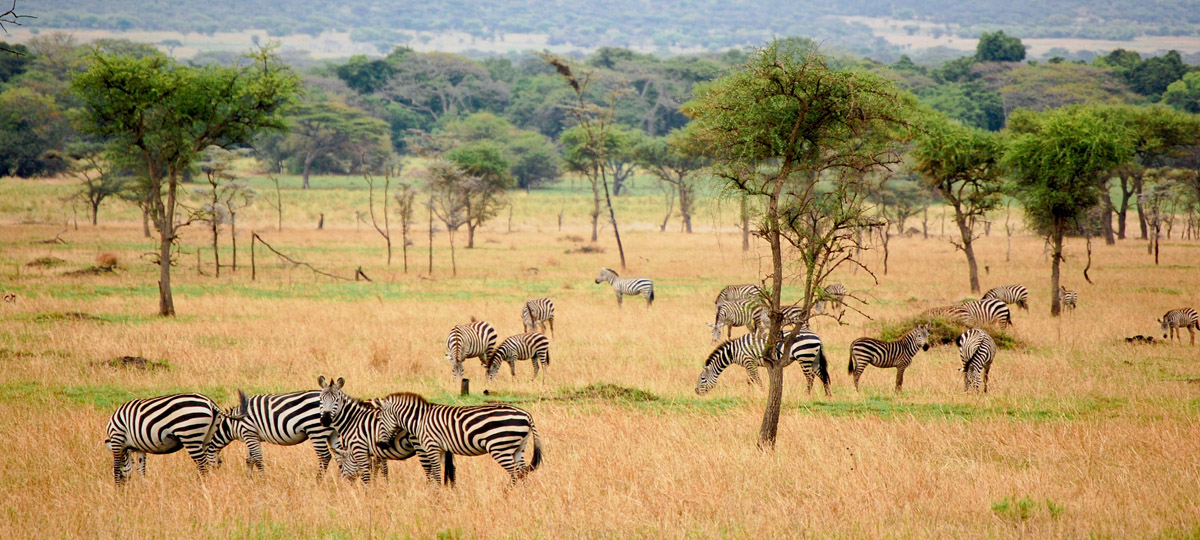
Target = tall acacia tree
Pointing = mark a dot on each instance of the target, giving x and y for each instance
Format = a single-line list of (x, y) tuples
[(1056, 158), (786, 129), (160, 115), (963, 164)]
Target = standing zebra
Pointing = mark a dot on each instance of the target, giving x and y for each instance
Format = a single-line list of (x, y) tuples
[(748, 291), (631, 286), (977, 350), (747, 352), (888, 354), (836, 296), (476, 339), (499, 430), (986, 312), (1010, 294), (163, 425), (731, 313), (1067, 298), (539, 311), (283, 419), (1177, 319), (532, 346), (362, 456)]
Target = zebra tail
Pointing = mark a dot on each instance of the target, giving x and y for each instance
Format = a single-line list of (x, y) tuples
[(651, 293), (822, 366), (448, 469), (537, 449), (850, 370)]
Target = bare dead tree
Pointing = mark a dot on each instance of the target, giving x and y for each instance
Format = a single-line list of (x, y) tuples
[(10, 16), (406, 196), (386, 230)]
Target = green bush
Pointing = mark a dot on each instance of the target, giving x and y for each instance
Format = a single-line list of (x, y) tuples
[(942, 331)]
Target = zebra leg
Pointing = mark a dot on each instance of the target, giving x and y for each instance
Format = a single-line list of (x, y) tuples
[(858, 371), (119, 457), (899, 379), (752, 370), (986, 369), (199, 454), (1192, 333), (620, 300), (551, 323), (432, 456), (535, 361), (141, 462), (321, 446), (507, 459), (254, 457), (512, 366), (381, 462), (810, 377)]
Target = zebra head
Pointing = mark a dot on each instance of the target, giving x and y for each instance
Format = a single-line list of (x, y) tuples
[(497, 358), (397, 412), (708, 379), (332, 399), (716, 331), (605, 275), (1166, 325), (920, 335)]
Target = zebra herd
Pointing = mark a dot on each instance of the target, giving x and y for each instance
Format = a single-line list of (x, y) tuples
[(477, 339), (363, 435)]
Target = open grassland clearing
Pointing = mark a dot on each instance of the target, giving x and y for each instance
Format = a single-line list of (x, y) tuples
[(1081, 433)]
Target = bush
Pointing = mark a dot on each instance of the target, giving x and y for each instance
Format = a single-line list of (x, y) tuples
[(942, 331)]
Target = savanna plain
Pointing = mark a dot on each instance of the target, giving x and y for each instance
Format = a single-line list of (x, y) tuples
[(1080, 435)]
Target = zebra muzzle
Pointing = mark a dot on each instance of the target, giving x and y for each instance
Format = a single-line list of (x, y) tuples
[(326, 419)]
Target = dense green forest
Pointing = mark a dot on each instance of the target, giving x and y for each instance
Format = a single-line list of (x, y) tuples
[(709, 24)]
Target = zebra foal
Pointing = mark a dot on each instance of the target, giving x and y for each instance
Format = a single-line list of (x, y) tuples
[(164, 425), (1067, 298), (1177, 319), (888, 354), (977, 350), (627, 286), (538, 312)]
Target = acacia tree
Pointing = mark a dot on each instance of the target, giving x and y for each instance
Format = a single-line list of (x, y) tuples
[(97, 179), (327, 128), (962, 164), (674, 159), (161, 115), (789, 131), (406, 196), (483, 183), (1055, 160)]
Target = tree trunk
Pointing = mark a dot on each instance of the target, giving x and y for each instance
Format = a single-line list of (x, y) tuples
[(595, 208), (883, 238), (470, 235), (216, 230), (166, 235), (745, 225), (685, 207), (1124, 209), (670, 210), (1106, 221), (95, 211), (968, 249), (1055, 304), (613, 217), (925, 223), (1137, 191), (233, 237), (770, 424), (430, 207), (145, 221), (308, 159)]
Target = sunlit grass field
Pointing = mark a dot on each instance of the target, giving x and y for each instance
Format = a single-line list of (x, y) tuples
[(1081, 434)]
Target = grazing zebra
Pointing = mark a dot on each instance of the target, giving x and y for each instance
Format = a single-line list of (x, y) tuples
[(539, 311), (532, 346), (986, 312), (475, 339), (792, 316), (836, 296), (977, 350), (733, 313), (499, 430), (1010, 294), (163, 425), (747, 352), (1067, 298), (362, 457), (888, 354), (631, 286), (748, 291), (283, 419), (1177, 319)]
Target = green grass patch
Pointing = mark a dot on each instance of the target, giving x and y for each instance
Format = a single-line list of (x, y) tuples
[(884, 407), (1158, 290), (1017, 510)]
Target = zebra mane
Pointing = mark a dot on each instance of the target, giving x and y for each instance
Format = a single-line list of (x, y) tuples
[(717, 352), (417, 397), (609, 270)]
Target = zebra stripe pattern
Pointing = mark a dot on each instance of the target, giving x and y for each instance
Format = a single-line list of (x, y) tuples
[(1177, 319), (163, 425), (835, 294), (1067, 298), (627, 286), (986, 312), (1010, 294), (736, 313), (538, 312), (362, 457), (977, 349), (747, 352), (887, 354), (282, 419), (501, 431), (476, 339), (792, 316), (532, 346), (748, 291)]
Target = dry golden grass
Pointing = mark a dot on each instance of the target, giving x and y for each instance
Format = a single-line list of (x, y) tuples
[(1081, 434)]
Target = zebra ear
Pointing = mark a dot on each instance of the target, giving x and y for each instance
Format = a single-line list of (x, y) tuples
[(341, 381), (321, 381)]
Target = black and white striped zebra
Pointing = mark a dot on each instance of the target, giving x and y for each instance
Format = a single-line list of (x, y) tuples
[(792, 316), (362, 457), (986, 312), (1010, 294), (747, 350), (1177, 319), (283, 419), (501, 431), (732, 313), (476, 339), (627, 286), (538, 312), (748, 291), (164, 425), (888, 354), (977, 350), (533, 346), (1067, 298), (835, 294)]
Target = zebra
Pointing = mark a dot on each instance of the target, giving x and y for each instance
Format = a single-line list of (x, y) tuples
[(538, 312), (631, 286), (888, 354), (163, 425), (835, 294), (733, 313), (532, 346), (475, 339), (499, 430), (748, 291), (747, 352), (1010, 294), (284, 419), (1067, 298), (792, 316), (977, 350), (361, 457), (1177, 319), (986, 312)]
